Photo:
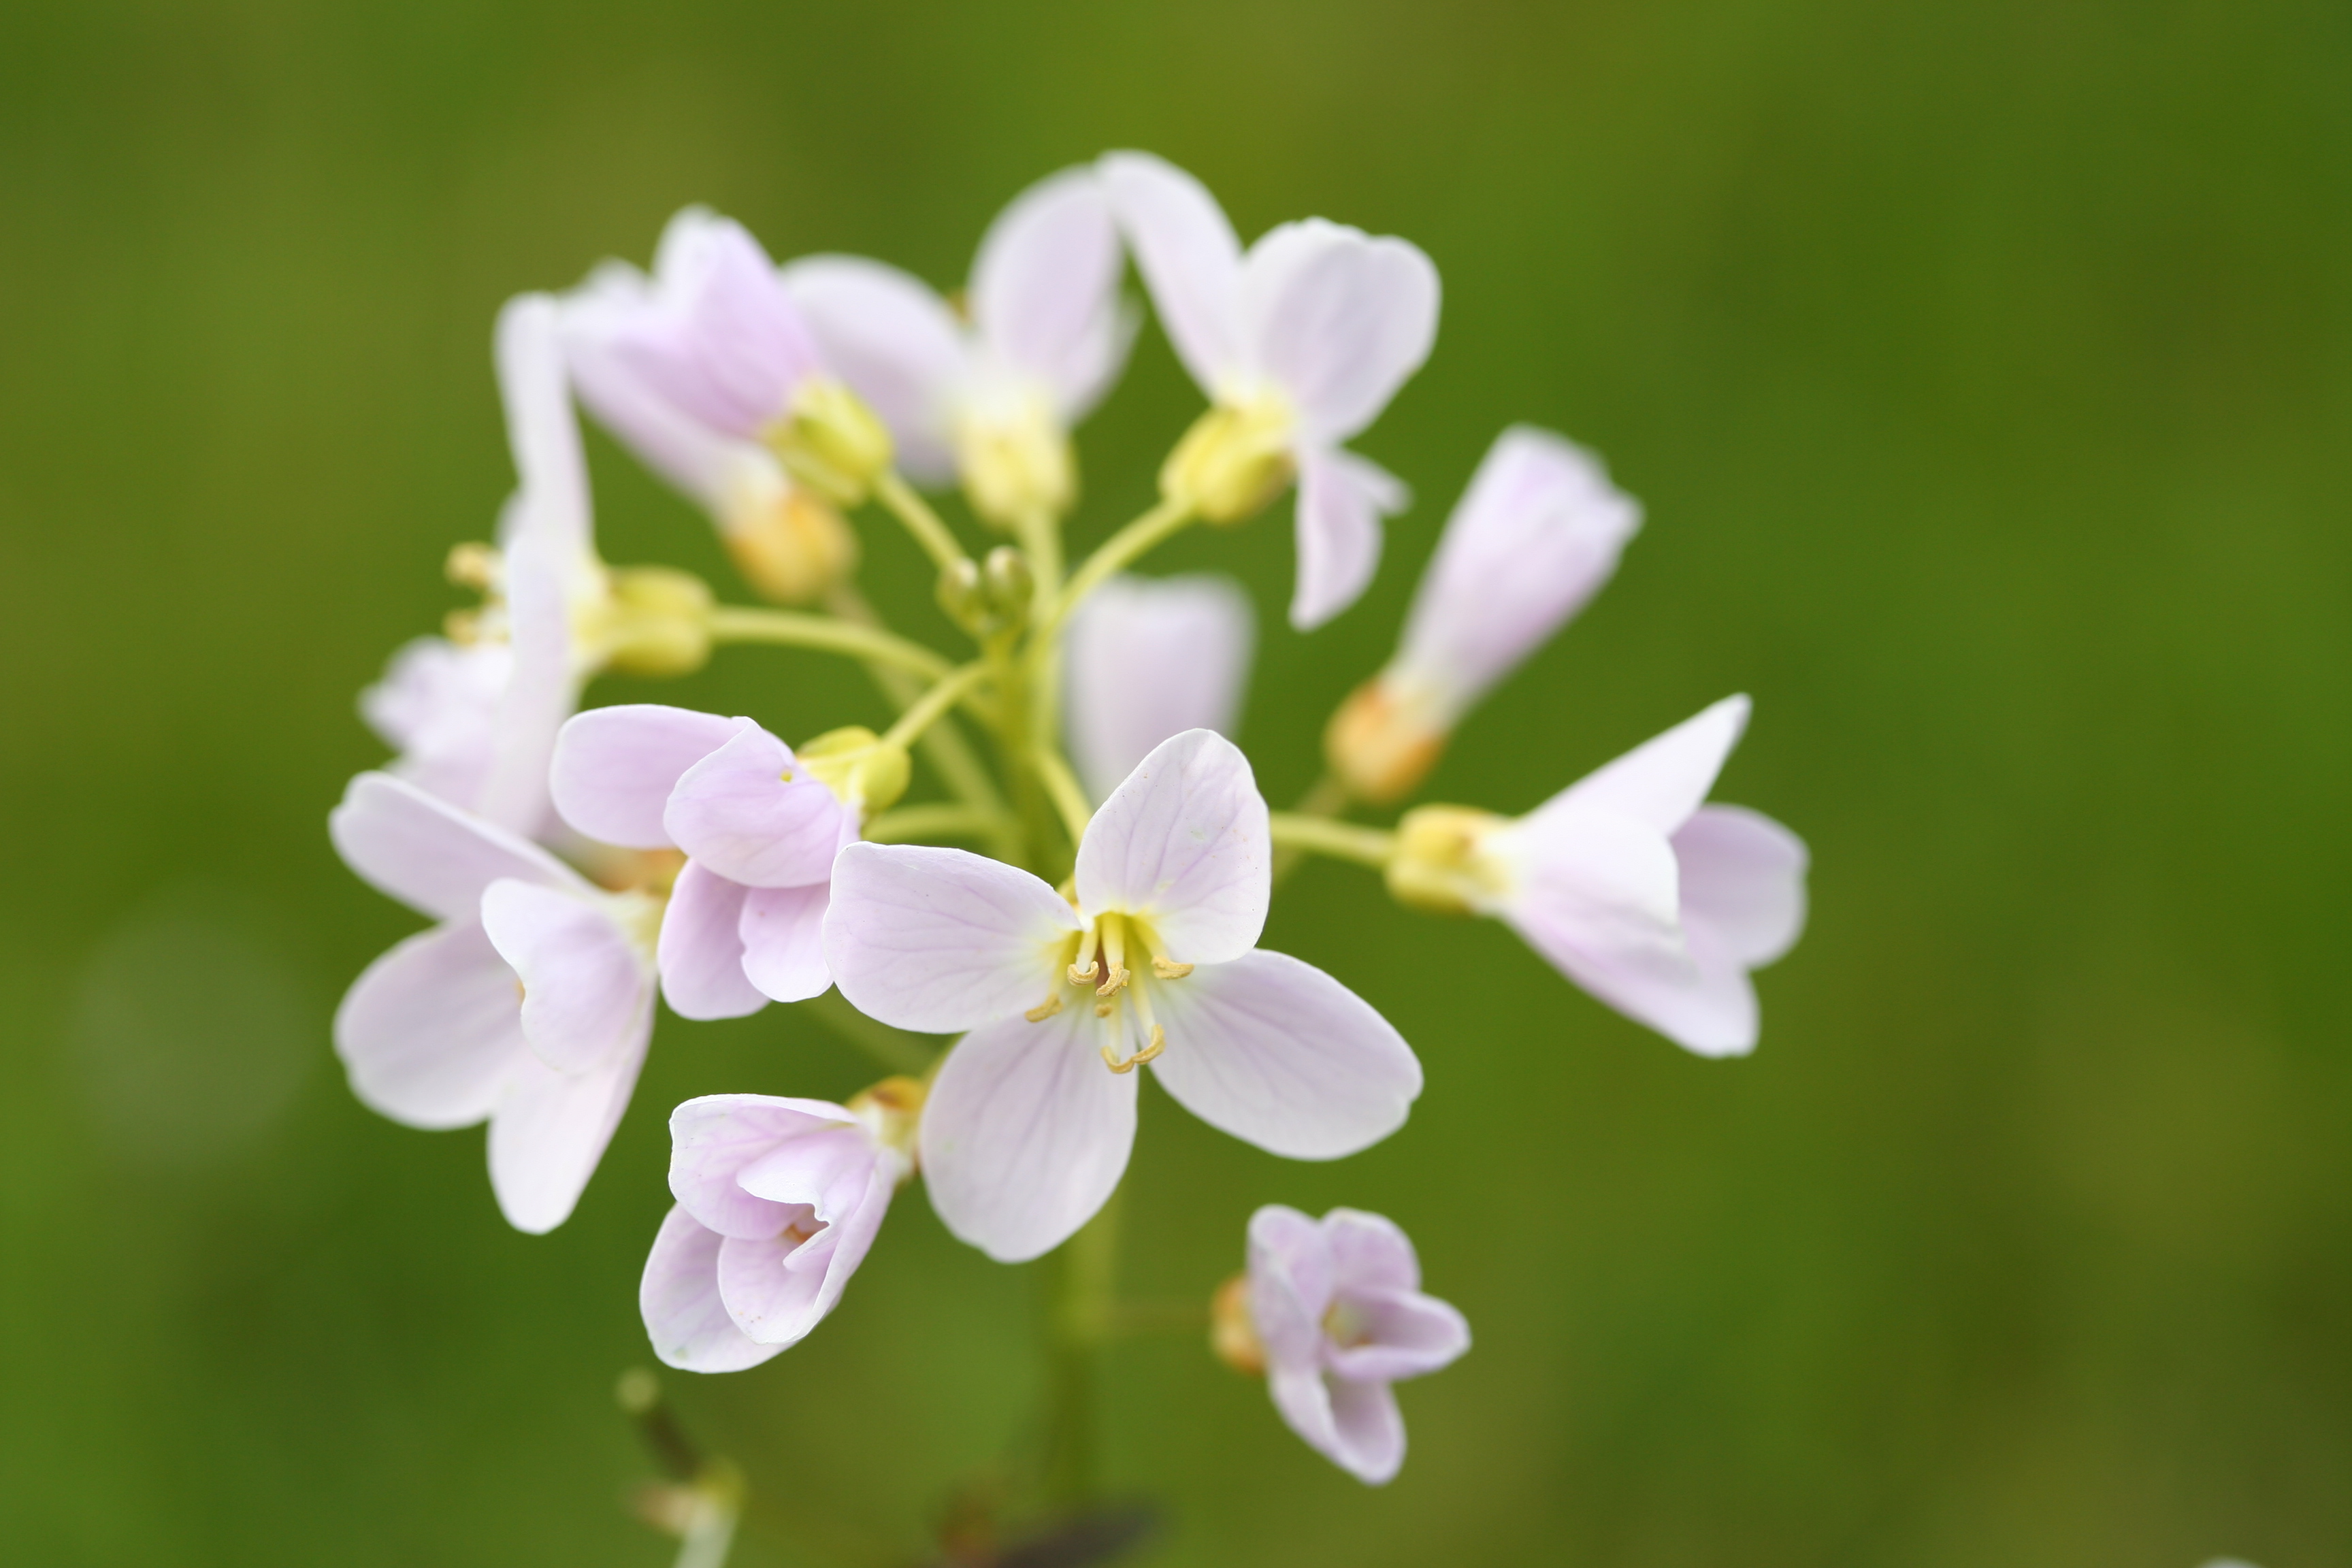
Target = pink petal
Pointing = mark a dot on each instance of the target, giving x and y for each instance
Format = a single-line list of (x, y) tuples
[(1280, 1055), (737, 812), (1184, 841), (896, 345), (715, 1138), (437, 706), (1743, 883), (1368, 1432), (777, 1292), (721, 341), (430, 1031), (543, 683), (678, 1297), (1190, 258), (613, 768), (1661, 781), (825, 1169), (583, 983), (1290, 1285), (1338, 320), (938, 940), (1044, 288), (1150, 658), (1341, 500), (1368, 1252), (428, 854), (702, 462), (1304, 1402), (782, 935), (551, 1129), (1408, 1334), (536, 389), (700, 952), (1025, 1133)]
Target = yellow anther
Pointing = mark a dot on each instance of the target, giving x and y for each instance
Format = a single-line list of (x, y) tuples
[(463, 627), (1117, 977), (1112, 1059), (1084, 976), (1104, 1009), (1046, 1009), (1167, 970), (473, 566), (1114, 943)]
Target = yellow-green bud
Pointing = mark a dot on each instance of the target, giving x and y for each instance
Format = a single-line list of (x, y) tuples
[(791, 548), (1233, 1328), (659, 622), (1381, 744), (1017, 463), (1438, 864), (832, 442), (857, 766), (1235, 459), (1010, 584)]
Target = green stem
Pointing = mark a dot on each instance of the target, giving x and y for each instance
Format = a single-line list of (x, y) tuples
[(1063, 785), (1327, 798), (920, 520), (933, 705), (791, 629), (1121, 550), (1040, 533), (945, 819), (1079, 1319), (1373, 846)]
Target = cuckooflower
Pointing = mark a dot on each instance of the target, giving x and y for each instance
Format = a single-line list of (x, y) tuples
[(1154, 960), (529, 1005), (1299, 344), (991, 401), (1148, 657), (1332, 1311), (778, 1201), (760, 827), (1534, 538), (1653, 902)]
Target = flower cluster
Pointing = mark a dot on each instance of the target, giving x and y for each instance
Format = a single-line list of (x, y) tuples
[(582, 864)]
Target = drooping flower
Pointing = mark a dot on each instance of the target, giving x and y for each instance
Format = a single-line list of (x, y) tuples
[(528, 1005), (992, 401), (1148, 657), (778, 1202), (708, 373), (1653, 902), (1299, 344), (1154, 961), (760, 827), (1534, 537), (1332, 1312)]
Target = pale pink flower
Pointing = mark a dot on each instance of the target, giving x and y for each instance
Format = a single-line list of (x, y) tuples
[(1656, 903), (990, 401), (1148, 657), (1339, 1315), (778, 1201), (528, 1005), (744, 919), (1033, 1114), (1300, 342)]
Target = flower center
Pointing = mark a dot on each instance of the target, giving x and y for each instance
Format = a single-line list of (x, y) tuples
[(1096, 967), (1345, 1327)]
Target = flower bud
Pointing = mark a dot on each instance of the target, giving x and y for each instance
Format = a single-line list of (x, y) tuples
[(1010, 584), (962, 594), (1381, 742), (1233, 1329), (791, 549), (1017, 463), (1235, 458), (659, 622), (857, 766), (831, 441), (1438, 864)]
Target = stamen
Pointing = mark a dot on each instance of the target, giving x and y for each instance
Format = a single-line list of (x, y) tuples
[(1084, 969), (1167, 970), (1046, 1009), (1114, 930), (1159, 1044)]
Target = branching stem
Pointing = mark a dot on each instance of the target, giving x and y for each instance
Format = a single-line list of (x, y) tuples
[(933, 705), (920, 520), (792, 628), (1121, 550), (1373, 846)]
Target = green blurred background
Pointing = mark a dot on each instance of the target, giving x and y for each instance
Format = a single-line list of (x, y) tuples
[(1987, 371)]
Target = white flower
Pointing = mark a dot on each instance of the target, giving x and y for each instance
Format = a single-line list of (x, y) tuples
[(1148, 657), (992, 401), (1027, 1133), (1299, 344)]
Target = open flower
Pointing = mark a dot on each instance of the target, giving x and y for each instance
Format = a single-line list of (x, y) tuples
[(529, 1005), (1299, 344), (1032, 1113), (1656, 904), (708, 371), (1148, 657), (1535, 535), (760, 827), (992, 401), (778, 1201), (1332, 1311)]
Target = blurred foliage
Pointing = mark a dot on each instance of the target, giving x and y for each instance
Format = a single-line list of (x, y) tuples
[(1987, 371)]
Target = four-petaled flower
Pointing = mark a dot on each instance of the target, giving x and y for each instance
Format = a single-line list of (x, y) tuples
[(1153, 960)]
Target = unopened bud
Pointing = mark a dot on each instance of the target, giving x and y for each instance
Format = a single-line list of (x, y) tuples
[(1233, 1328), (1010, 584), (864, 771), (831, 441), (1439, 865), (659, 622), (1381, 742), (1235, 459), (962, 594), (1016, 462)]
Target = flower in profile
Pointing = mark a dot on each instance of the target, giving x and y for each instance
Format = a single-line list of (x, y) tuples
[(760, 827), (707, 370), (1534, 537), (1153, 959), (1656, 903), (1332, 1312), (990, 401), (778, 1201), (1299, 344), (529, 1005), (1148, 657)]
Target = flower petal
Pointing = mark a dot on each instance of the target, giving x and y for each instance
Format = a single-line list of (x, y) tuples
[(1044, 288), (614, 767), (702, 462), (437, 706), (543, 684), (1025, 1133), (583, 983), (1280, 1055), (429, 1031), (1661, 781), (715, 1138), (701, 950), (1743, 883), (719, 339), (1150, 658), (428, 854), (777, 1292), (937, 939), (783, 933), (1184, 841), (1338, 320), (678, 1297), (1190, 258), (898, 345), (1368, 1252), (1305, 1405), (738, 812), (1290, 1285), (536, 389), (551, 1129), (1341, 500), (1367, 1431), (1407, 1334)]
